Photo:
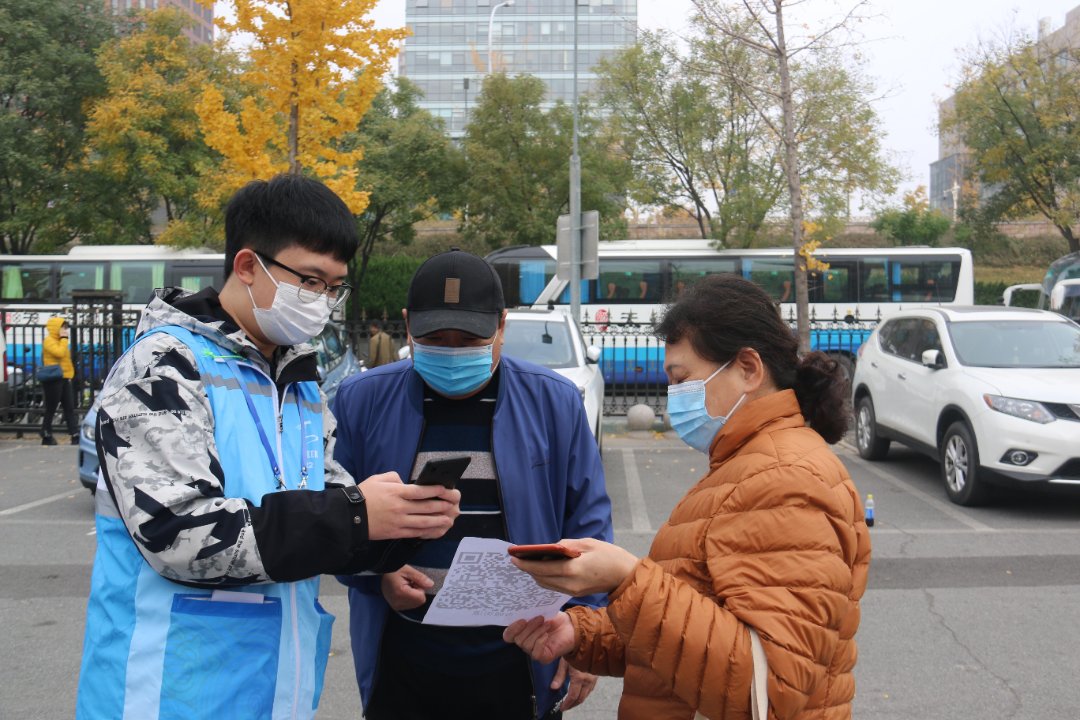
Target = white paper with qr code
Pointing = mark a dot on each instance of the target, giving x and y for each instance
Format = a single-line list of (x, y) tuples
[(483, 588)]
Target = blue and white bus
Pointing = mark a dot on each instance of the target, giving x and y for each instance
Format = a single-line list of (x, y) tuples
[(637, 277), (36, 287)]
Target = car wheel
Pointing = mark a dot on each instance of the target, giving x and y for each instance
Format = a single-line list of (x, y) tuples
[(960, 466), (869, 444)]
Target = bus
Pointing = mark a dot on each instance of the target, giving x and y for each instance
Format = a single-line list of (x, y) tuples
[(637, 277), (1059, 290), (36, 287)]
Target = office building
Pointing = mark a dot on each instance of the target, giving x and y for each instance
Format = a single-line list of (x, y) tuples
[(949, 172), (448, 53), (201, 30)]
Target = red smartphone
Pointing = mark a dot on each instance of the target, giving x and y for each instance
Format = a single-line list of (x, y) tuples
[(542, 552), (444, 472)]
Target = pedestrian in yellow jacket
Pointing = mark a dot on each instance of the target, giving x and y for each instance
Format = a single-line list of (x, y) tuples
[(55, 350), (772, 538)]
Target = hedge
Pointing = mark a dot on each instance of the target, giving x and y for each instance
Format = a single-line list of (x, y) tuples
[(386, 285), (989, 293)]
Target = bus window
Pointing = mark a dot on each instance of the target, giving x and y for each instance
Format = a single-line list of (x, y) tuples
[(586, 286), (873, 285), (524, 279), (833, 285), (193, 275), (137, 278), (194, 282), (685, 273), (924, 279), (775, 275), (78, 276), (629, 281), (25, 281)]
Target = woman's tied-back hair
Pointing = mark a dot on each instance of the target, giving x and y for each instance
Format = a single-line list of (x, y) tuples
[(268, 216), (722, 314)]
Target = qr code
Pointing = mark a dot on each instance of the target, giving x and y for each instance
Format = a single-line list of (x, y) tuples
[(486, 580)]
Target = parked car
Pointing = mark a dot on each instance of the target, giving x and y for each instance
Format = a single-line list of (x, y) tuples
[(336, 362), (550, 339), (992, 392)]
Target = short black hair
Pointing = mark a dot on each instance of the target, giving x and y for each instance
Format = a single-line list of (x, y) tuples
[(270, 215), (374, 323)]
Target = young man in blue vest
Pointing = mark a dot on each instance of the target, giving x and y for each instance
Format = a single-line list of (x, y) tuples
[(218, 502), (535, 476)]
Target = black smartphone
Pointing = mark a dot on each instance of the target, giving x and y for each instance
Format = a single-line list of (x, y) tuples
[(444, 472)]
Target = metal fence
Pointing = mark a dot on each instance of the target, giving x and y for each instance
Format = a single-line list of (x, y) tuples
[(100, 330), (631, 356)]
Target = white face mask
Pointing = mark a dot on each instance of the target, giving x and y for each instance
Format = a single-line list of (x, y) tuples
[(289, 321)]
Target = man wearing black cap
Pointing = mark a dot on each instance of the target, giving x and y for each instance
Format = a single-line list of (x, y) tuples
[(535, 476)]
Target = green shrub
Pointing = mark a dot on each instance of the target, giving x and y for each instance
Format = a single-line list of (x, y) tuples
[(989, 293), (385, 286)]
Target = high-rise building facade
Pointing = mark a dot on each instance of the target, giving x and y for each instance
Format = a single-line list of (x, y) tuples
[(201, 30), (448, 53)]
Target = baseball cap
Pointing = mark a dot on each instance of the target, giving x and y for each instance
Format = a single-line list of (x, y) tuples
[(455, 290)]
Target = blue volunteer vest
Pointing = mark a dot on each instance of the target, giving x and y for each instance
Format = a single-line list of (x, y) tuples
[(155, 649)]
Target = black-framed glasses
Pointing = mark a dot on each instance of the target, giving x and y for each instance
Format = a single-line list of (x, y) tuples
[(312, 288)]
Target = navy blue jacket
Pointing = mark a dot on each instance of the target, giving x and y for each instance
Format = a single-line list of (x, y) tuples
[(550, 475)]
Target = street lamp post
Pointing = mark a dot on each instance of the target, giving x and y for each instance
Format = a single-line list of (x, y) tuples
[(491, 22), (575, 195)]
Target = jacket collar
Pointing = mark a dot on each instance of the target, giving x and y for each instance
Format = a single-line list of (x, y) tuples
[(774, 411), (196, 313)]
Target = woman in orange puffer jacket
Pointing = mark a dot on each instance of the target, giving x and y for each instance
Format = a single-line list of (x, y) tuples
[(772, 538)]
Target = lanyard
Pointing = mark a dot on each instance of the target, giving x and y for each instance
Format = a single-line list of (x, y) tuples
[(267, 447)]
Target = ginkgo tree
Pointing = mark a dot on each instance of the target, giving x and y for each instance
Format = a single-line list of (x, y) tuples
[(312, 68), (144, 151)]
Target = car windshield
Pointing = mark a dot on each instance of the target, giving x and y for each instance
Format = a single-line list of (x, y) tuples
[(544, 342), (1017, 344)]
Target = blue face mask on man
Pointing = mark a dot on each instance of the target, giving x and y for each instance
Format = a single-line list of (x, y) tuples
[(690, 418), (453, 371)]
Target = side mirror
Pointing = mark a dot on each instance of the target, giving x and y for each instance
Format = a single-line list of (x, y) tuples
[(592, 354), (404, 352), (933, 359)]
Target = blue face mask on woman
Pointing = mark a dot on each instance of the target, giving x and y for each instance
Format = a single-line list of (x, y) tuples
[(453, 371), (686, 408)]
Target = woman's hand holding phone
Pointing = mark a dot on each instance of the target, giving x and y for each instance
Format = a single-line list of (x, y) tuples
[(598, 567)]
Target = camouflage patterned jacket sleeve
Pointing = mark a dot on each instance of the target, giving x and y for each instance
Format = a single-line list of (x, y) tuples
[(155, 439)]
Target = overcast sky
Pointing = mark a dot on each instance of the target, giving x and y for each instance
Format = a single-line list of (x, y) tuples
[(912, 50)]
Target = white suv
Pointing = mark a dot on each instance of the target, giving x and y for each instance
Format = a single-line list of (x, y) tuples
[(550, 338), (992, 392)]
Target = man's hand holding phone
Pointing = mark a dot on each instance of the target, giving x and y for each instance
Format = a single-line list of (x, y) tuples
[(396, 510)]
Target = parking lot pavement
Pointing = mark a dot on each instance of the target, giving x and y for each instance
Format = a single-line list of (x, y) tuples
[(970, 612)]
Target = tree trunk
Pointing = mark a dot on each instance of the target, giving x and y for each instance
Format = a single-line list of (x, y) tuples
[(1070, 237), (294, 126), (791, 169), (294, 139)]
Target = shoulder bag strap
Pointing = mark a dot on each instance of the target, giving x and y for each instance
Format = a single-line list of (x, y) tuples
[(759, 692), (759, 695)]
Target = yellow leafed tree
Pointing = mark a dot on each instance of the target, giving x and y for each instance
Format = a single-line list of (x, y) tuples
[(313, 67)]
